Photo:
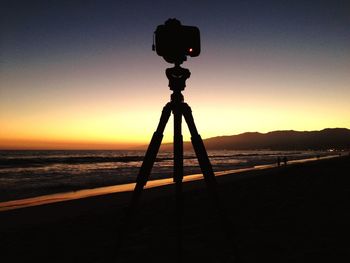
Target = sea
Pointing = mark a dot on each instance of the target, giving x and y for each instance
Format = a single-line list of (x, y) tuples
[(30, 173)]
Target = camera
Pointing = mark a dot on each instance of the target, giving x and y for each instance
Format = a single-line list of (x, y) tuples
[(174, 42)]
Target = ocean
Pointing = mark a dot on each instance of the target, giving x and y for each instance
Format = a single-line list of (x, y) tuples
[(32, 173)]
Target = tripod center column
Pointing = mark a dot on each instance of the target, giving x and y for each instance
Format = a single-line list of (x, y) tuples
[(178, 143), (177, 82)]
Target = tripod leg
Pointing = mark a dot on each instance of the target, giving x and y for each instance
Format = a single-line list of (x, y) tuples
[(178, 175), (144, 173), (200, 151), (209, 176), (150, 157)]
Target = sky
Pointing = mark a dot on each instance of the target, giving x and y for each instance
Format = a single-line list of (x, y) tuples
[(82, 75)]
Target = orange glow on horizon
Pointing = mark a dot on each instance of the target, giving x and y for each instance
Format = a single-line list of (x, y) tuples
[(101, 105), (66, 145)]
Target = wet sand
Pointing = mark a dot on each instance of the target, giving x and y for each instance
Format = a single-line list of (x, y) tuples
[(297, 213)]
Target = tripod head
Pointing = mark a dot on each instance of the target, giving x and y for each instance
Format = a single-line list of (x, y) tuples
[(177, 77)]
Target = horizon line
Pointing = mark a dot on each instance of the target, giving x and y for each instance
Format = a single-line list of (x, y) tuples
[(66, 145)]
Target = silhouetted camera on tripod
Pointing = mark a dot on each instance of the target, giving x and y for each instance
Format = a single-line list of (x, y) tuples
[(174, 42)]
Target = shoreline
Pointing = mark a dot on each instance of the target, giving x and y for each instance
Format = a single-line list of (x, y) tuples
[(296, 213), (91, 192)]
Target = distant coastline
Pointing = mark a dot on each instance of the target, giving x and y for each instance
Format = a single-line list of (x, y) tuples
[(326, 139)]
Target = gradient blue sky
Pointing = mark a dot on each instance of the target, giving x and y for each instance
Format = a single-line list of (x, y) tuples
[(80, 73)]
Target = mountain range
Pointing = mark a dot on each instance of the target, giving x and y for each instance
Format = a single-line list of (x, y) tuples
[(330, 138)]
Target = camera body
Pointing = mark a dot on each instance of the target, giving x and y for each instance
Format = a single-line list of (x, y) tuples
[(174, 42)]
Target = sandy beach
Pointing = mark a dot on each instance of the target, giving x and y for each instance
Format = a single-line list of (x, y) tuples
[(297, 213)]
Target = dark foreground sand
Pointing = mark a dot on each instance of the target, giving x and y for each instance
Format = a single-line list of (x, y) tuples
[(298, 213)]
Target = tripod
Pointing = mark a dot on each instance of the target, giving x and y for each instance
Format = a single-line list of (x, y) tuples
[(177, 77)]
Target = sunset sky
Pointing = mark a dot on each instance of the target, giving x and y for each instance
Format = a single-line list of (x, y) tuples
[(81, 74)]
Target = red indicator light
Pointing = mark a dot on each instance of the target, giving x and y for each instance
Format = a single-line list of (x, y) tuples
[(190, 49)]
